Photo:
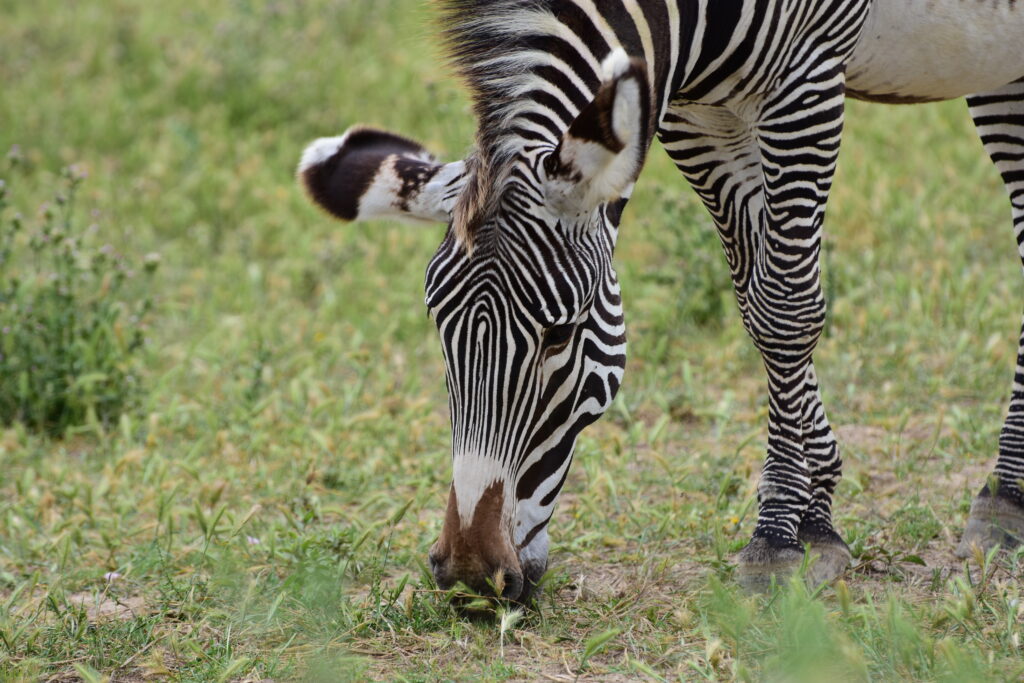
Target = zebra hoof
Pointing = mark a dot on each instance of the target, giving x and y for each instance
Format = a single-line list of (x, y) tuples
[(992, 521), (829, 558), (759, 565), (828, 562)]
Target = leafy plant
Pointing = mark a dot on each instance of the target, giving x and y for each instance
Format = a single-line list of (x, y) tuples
[(690, 263), (70, 328)]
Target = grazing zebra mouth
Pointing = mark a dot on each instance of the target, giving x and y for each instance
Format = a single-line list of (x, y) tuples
[(478, 552)]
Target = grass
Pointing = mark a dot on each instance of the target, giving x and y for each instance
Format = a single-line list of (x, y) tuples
[(266, 510)]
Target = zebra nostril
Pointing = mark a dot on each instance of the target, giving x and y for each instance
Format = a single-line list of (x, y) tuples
[(513, 585), (438, 569)]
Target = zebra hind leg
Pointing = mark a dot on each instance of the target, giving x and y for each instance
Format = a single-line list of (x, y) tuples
[(997, 514)]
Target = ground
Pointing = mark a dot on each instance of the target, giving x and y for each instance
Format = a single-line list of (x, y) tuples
[(265, 510)]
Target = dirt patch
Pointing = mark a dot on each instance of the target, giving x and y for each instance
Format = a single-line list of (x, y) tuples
[(920, 431), (105, 607), (600, 582), (863, 437), (101, 607), (971, 476)]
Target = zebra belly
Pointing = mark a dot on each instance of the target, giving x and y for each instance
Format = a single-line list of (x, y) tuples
[(921, 50)]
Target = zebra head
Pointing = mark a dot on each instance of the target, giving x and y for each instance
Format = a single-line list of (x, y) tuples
[(526, 301)]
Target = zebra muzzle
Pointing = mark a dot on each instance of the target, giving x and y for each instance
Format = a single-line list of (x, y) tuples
[(479, 554)]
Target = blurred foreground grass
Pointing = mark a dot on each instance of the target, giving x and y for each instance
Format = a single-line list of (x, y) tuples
[(266, 510)]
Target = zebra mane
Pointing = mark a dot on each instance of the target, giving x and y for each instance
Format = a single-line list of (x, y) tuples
[(493, 45)]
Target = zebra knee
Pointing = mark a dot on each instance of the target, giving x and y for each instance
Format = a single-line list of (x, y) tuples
[(785, 325)]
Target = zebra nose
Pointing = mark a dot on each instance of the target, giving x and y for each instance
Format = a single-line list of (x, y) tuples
[(478, 553), (504, 582)]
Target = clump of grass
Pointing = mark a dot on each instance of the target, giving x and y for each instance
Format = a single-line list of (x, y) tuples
[(69, 327), (793, 635)]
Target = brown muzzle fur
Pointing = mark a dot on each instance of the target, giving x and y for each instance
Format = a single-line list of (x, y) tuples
[(480, 554)]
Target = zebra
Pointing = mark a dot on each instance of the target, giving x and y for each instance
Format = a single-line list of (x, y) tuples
[(747, 97)]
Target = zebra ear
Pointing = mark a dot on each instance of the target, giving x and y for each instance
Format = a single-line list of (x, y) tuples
[(368, 173), (602, 152)]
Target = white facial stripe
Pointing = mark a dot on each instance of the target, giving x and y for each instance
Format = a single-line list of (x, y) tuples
[(536, 552), (474, 474)]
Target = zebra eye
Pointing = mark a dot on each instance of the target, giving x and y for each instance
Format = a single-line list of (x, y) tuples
[(551, 164), (558, 335)]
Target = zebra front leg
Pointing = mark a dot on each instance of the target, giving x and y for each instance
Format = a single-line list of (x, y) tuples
[(721, 158), (785, 490), (829, 555), (798, 135), (997, 514)]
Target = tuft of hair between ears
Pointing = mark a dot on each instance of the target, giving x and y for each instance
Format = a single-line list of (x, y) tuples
[(475, 203), (474, 32)]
